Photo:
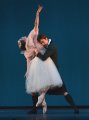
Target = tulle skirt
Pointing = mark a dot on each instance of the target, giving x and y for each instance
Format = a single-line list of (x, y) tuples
[(42, 75)]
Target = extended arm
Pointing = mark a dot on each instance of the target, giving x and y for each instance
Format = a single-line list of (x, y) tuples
[(36, 25), (34, 32)]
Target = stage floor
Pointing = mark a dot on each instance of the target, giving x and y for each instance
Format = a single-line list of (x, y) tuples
[(52, 114)]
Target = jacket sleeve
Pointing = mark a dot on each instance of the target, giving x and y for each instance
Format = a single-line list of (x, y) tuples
[(47, 54)]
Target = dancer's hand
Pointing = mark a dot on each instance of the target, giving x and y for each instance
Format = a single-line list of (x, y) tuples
[(39, 9)]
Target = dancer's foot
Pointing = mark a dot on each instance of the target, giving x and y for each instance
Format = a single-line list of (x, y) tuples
[(44, 105), (40, 99)]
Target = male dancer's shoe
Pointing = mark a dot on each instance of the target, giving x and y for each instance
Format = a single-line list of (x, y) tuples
[(34, 109), (71, 102)]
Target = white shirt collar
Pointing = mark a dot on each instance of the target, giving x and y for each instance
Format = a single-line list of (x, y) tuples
[(49, 42)]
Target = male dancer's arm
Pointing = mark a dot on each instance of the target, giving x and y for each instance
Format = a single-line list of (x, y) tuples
[(49, 52)]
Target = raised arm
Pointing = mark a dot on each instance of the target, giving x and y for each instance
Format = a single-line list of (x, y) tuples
[(36, 25), (34, 32)]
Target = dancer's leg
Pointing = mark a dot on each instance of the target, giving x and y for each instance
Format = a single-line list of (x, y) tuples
[(41, 97), (34, 101), (44, 105), (70, 100)]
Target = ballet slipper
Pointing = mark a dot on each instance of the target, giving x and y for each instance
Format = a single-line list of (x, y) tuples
[(40, 100), (44, 105)]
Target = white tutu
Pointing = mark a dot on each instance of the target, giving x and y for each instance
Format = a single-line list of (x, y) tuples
[(41, 75)]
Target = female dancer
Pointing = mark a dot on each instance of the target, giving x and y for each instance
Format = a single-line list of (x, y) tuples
[(40, 75)]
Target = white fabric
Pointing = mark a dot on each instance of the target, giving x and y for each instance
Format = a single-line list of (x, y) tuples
[(40, 74), (49, 42), (31, 45)]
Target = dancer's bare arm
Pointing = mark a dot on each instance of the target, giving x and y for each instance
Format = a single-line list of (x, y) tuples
[(36, 25)]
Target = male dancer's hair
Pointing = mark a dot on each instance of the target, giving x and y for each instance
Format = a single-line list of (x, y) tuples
[(41, 36)]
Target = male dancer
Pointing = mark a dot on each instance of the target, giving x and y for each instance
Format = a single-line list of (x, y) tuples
[(51, 51)]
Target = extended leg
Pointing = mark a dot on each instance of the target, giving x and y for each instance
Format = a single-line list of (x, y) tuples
[(70, 100)]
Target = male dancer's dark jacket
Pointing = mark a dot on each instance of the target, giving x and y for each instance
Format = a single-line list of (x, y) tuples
[(51, 51)]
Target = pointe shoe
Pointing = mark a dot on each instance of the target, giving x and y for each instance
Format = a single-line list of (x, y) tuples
[(40, 100), (44, 105)]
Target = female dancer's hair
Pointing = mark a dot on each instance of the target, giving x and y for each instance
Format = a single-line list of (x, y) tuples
[(22, 43)]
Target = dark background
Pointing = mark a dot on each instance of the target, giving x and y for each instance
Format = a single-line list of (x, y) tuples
[(66, 22)]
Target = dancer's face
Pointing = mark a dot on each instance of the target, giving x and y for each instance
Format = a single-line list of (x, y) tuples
[(44, 42)]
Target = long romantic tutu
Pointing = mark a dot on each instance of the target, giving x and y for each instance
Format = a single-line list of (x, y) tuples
[(41, 75)]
